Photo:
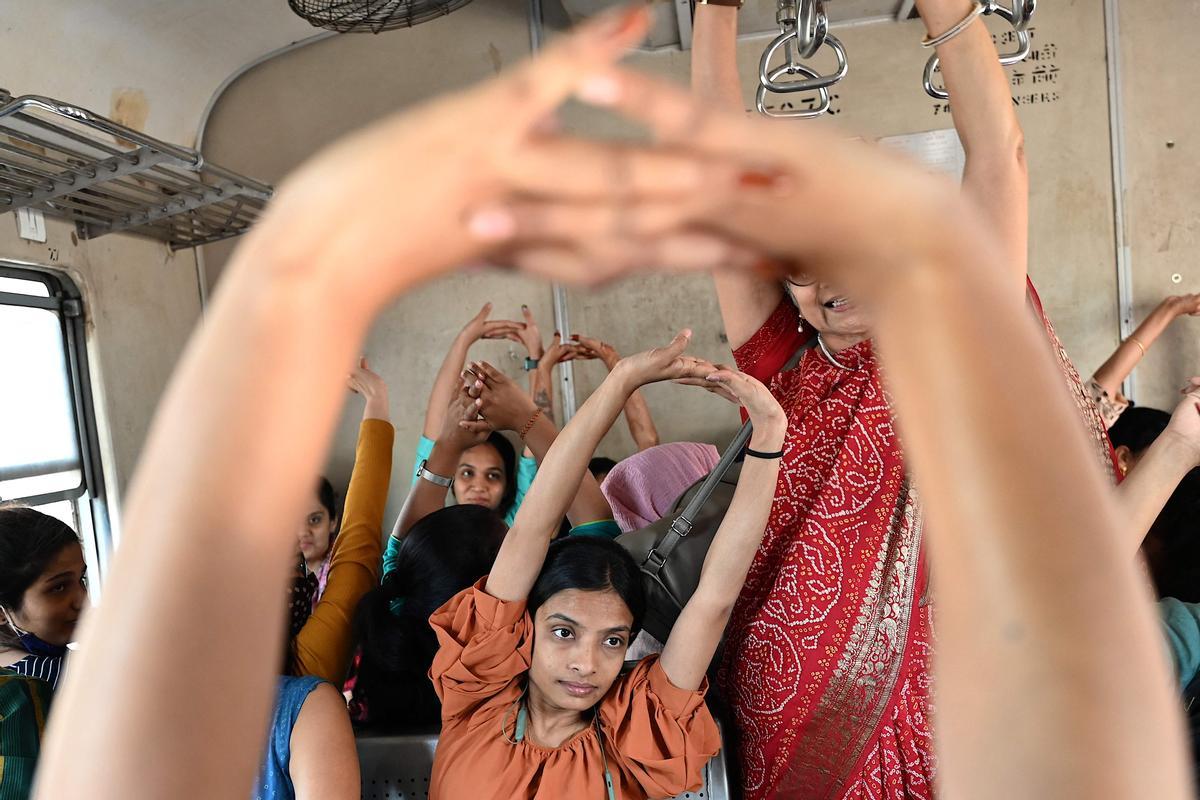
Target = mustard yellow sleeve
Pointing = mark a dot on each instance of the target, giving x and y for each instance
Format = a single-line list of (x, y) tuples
[(322, 648)]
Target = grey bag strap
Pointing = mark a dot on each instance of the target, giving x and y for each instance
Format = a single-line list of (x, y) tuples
[(681, 526)]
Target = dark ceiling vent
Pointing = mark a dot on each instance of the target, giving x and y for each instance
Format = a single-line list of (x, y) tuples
[(372, 16)]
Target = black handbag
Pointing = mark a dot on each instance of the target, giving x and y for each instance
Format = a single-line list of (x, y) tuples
[(671, 551)]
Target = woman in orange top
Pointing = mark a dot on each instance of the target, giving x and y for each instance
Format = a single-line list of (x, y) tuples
[(528, 671)]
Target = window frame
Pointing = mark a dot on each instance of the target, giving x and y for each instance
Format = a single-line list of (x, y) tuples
[(66, 299)]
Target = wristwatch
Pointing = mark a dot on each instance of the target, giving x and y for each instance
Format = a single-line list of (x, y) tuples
[(531, 364), (433, 477)]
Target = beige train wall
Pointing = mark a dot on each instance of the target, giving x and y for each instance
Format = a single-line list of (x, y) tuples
[(1162, 117)]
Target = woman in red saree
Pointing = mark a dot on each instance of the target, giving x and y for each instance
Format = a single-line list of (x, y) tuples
[(828, 658)]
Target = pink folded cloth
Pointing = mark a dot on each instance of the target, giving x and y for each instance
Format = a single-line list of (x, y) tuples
[(644, 487)]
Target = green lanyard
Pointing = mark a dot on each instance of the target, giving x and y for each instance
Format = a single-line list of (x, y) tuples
[(523, 723)]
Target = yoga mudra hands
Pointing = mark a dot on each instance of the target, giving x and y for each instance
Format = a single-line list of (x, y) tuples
[(461, 428), (659, 364), (749, 393), (502, 403), (717, 190), (429, 168), (592, 348), (560, 351), (480, 327), (733, 385), (755, 210)]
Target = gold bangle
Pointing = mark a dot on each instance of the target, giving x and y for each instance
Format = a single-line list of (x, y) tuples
[(1141, 346), (529, 425)]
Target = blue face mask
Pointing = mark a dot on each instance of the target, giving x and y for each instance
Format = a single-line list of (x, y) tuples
[(34, 645)]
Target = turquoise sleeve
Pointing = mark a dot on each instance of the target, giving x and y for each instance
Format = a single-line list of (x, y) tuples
[(391, 554), (424, 450), (605, 528), (1181, 622), (526, 472)]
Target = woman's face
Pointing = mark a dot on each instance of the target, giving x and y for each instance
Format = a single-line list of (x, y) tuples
[(51, 607), (831, 313), (579, 645), (481, 478), (316, 532)]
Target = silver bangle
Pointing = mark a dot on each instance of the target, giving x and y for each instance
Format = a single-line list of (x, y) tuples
[(981, 7)]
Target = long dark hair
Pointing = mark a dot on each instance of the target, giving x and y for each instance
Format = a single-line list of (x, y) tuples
[(327, 497), (508, 456), (1172, 547), (591, 564), (443, 554), (1138, 427), (29, 541)]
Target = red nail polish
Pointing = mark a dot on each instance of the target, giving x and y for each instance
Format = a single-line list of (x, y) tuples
[(761, 178), (623, 22)]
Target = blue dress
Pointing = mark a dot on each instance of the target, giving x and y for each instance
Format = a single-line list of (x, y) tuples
[(274, 780)]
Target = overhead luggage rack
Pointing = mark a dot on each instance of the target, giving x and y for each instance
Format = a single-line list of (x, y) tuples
[(106, 178)]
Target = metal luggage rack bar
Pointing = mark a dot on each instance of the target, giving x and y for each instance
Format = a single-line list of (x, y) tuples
[(106, 178)]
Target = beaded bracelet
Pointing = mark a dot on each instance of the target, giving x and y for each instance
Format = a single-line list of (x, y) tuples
[(529, 425)]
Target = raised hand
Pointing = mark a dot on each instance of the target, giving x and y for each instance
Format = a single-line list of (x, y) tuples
[(1184, 304), (558, 352), (768, 417), (501, 403), (1185, 420), (461, 428), (529, 335), (592, 348), (372, 387), (660, 364), (480, 327)]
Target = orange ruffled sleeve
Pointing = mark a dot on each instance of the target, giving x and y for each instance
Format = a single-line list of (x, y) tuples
[(662, 734), (485, 645)]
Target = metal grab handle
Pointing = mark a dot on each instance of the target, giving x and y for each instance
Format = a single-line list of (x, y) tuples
[(1024, 43), (1018, 17), (800, 113), (1022, 12), (768, 78), (811, 25)]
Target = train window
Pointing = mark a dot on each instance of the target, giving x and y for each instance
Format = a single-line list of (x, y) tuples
[(49, 458)]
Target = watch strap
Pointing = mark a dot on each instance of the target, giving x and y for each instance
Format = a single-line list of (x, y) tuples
[(726, 3), (433, 477)]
